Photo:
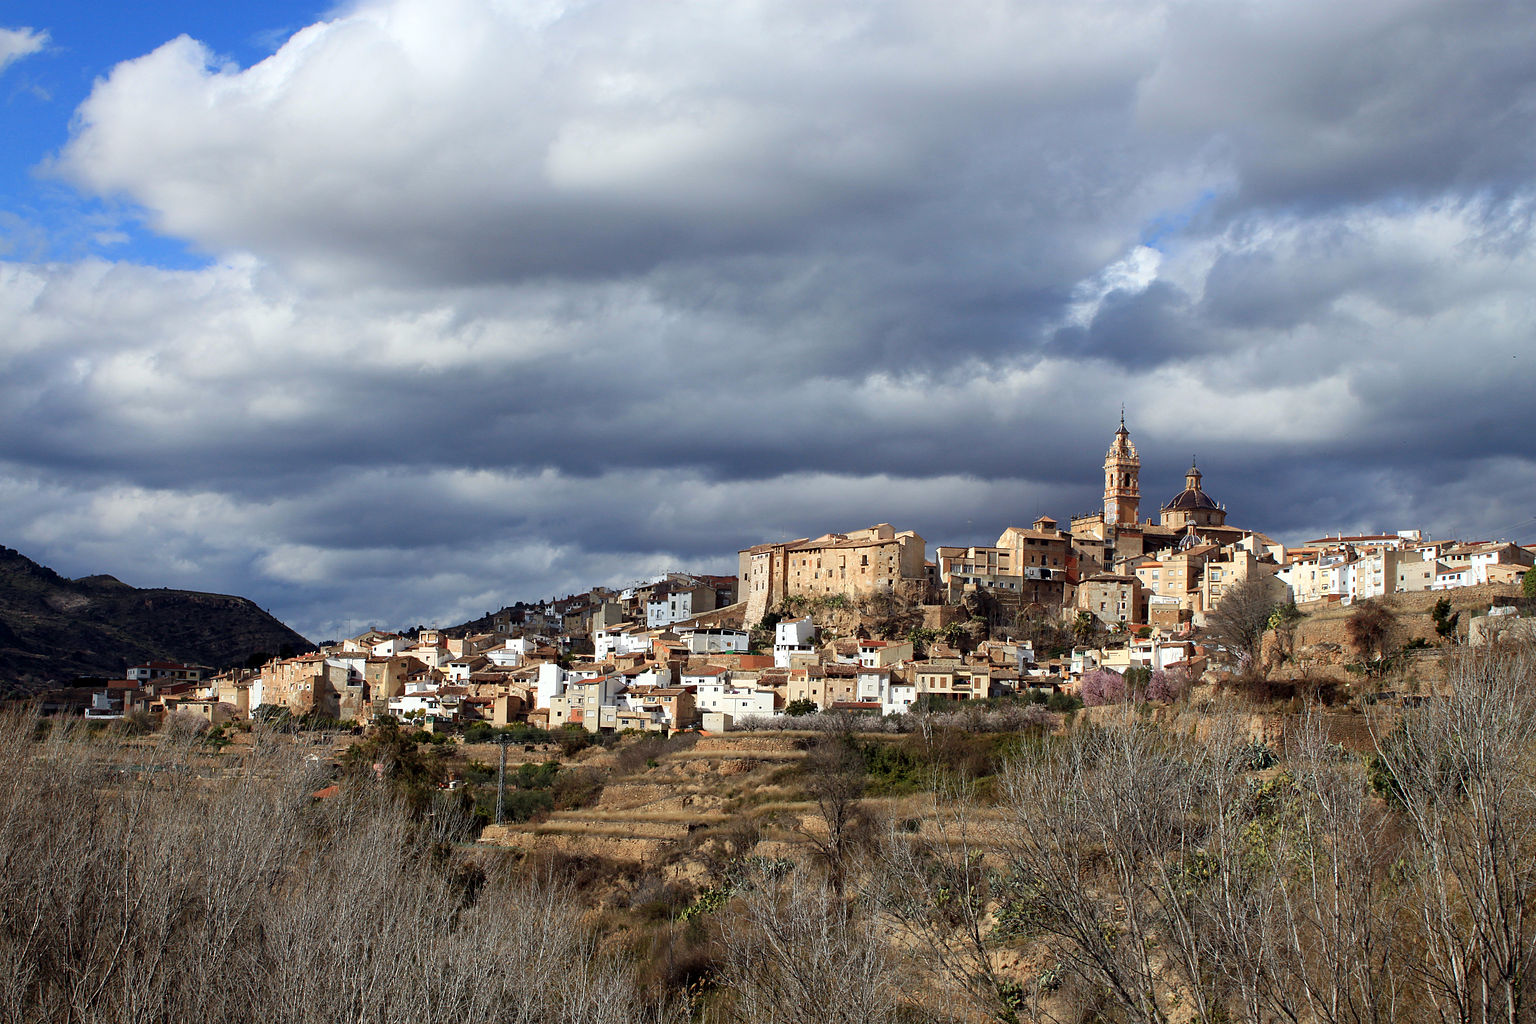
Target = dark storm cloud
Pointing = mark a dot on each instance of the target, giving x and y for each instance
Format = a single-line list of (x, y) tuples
[(1318, 105), (511, 302), (1139, 329)]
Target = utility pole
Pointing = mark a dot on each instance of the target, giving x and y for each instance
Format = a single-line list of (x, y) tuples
[(501, 779)]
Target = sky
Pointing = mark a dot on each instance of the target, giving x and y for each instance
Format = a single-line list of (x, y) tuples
[(400, 311)]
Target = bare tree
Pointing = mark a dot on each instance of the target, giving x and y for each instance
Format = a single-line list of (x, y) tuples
[(1460, 770), (836, 780), (143, 880), (1333, 943), (1368, 629), (1159, 870), (1239, 621), (940, 892), (796, 954), (1103, 834), (1174, 873)]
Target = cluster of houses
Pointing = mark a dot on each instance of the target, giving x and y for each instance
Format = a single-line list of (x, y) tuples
[(155, 687), (672, 651), (700, 672)]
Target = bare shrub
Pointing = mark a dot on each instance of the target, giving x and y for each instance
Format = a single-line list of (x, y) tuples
[(641, 751), (938, 891), (1135, 859), (974, 717), (1334, 940), (1460, 771), (136, 722), (837, 780), (1104, 816), (183, 725), (796, 954), (576, 787), (1368, 629), (136, 887)]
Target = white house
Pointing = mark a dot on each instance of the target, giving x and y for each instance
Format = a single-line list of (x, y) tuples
[(899, 698), (1482, 556), (354, 663), (512, 653), (1085, 659), (674, 602), (1449, 579), (460, 669), (707, 683), (740, 703), (424, 700), (388, 647), (876, 684), (619, 641), (713, 690), (648, 676), (797, 636), (504, 657), (551, 684), (883, 653), (104, 707), (1165, 654), (714, 639)]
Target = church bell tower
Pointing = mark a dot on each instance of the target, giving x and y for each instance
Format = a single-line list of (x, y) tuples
[(1122, 470)]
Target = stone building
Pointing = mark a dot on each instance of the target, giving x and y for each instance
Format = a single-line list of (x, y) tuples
[(877, 559), (1110, 598), (1026, 567), (302, 685)]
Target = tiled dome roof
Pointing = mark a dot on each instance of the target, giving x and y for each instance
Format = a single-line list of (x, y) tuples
[(1190, 499)]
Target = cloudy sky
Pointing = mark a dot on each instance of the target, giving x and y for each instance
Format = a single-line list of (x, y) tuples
[(403, 310)]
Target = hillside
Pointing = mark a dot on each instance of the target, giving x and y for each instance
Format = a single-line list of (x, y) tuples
[(53, 629)]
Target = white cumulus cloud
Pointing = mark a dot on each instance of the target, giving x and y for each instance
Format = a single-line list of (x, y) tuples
[(509, 299)]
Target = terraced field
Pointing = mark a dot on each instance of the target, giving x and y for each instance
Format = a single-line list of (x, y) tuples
[(737, 788), (721, 782)]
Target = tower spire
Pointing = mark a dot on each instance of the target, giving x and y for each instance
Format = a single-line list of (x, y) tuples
[(1122, 469)]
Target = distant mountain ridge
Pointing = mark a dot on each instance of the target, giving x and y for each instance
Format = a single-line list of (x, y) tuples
[(54, 629)]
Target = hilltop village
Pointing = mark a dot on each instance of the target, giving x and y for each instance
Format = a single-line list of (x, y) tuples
[(862, 621)]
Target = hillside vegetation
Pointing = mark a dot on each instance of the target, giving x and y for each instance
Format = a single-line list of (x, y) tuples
[(54, 629)]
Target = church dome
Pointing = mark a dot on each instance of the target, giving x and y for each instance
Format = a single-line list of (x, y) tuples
[(1190, 499)]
